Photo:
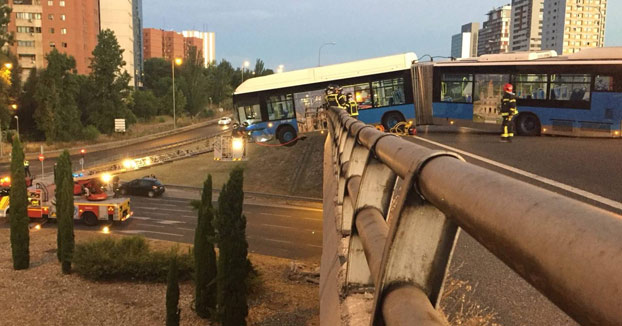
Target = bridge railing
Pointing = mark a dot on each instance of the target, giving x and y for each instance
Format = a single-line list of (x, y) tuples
[(401, 204)]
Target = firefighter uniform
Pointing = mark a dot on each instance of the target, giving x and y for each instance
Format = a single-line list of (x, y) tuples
[(27, 168), (352, 106), (334, 97), (508, 111)]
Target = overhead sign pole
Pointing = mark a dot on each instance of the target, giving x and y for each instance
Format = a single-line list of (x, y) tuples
[(42, 158)]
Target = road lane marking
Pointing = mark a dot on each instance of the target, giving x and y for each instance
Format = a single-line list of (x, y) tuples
[(169, 222), (563, 186), (149, 225), (154, 232), (313, 219), (185, 229), (290, 227), (279, 215), (163, 209), (141, 218)]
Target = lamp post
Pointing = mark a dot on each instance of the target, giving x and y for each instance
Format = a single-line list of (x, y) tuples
[(175, 61), (245, 64), (17, 118), (319, 52), (280, 69)]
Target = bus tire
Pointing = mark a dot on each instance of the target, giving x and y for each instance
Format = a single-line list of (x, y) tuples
[(89, 219), (285, 134), (528, 124), (392, 118)]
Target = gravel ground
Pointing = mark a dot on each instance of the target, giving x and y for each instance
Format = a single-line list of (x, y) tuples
[(41, 295)]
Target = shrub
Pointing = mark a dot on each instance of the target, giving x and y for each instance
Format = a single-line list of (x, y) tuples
[(90, 133), (161, 119), (128, 259)]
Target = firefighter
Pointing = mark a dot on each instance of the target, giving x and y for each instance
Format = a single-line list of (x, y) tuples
[(352, 106), (508, 111), (27, 168), (334, 97)]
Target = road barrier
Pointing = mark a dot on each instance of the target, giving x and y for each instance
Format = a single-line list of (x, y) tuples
[(396, 208)]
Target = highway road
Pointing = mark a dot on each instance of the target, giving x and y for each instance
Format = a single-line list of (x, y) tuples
[(35, 166), (272, 229), (586, 169)]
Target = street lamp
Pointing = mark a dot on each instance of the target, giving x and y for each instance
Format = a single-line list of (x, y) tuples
[(17, 118), (280, 69), (244, 65), (8, 65), (319, 52), (176, 61)]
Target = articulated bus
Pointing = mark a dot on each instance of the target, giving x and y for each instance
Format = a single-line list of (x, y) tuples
[(285, 104), (575, 95)]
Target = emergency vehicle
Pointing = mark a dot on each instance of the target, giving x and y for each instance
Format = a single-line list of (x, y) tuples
[(42, 205)]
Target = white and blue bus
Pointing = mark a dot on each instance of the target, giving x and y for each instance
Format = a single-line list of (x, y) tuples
[(575, 95), (285, 104)]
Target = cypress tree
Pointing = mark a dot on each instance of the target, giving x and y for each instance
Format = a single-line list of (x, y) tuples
[(64, 212), (204, 254), (20, 237), (172, 295), (233, 267)]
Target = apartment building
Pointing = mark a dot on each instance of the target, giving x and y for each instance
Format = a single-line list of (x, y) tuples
[(171, 44), (494, 37), (117, 15), (208, 48), (526, 25), (572, 25), (464, 45)]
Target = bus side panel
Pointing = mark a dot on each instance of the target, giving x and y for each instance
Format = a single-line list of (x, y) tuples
[(453, 110), (265, 131), (375, 115)]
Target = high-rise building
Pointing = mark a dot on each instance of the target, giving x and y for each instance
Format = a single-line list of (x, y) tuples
[(572, 25), (42, 25), (526, 25), (208, 49), (464, 45), (171, 44), (139, 59), (494, 37), (117, 15)]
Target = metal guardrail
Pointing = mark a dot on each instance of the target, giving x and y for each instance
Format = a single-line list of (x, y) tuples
[(401, 205)]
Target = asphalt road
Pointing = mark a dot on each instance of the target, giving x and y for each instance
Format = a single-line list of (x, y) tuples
[(275, 230), (35, 166), (583, 167)]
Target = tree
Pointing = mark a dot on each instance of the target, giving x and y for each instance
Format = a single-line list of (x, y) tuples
[(158, 76), (220, 81), (64, 212), (172, 295), (57, 113), (233, 264), (6, 37), (27, 107), (146, 105), (20, 238), (204, 254), (167, 102), (110, 83), (193, 82)]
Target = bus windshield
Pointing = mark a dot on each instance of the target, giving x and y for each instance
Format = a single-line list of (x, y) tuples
[(249, 114)]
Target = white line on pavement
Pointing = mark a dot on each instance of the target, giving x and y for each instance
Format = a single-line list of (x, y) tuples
[(280, 215), (149, 225), (580, 192), (141, 218), (169, 222), (145, 231), (162, 209), (185, 229)]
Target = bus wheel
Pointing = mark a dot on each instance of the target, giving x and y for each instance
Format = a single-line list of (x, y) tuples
[(89, 218), (528, 125), (286, 134), (391, 119)]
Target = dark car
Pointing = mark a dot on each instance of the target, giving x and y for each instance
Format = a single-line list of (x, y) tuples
[(144, 187)]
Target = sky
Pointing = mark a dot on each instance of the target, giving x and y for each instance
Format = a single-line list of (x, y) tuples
[(291, 32)]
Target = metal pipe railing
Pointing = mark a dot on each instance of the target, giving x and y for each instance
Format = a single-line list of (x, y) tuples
[(570, 251)]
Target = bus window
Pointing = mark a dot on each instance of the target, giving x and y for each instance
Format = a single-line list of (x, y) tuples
[(361, 94), (388, 92), (530, 86), (457, 88), (603, 83), (309, 109), (570, 87), (487, 97), (280, 107), (249, 114)]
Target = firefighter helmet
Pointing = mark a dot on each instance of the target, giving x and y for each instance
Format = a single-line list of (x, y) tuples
[(508, 88)]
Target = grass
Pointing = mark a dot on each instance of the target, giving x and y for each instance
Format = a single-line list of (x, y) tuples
[(295, 170)]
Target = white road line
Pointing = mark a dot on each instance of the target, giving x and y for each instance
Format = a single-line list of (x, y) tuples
[(169, 222), (162, 209), (154, 232), (149, 225), (279, 226), (272, 240), (141, 218), (280, 215), (185, 229), (580, 192), (313, 219)]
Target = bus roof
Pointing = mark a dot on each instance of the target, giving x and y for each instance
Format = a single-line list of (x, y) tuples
[(328, 73), (605, 55)]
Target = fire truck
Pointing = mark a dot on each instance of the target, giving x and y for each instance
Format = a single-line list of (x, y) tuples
[(42, 205)]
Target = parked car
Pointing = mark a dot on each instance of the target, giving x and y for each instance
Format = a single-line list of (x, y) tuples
[(151, 187), (224, 121)]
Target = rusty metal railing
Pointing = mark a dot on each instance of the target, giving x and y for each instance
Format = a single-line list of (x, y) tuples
[(401, 205)]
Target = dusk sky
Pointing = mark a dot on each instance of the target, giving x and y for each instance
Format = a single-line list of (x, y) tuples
[(290, 32)]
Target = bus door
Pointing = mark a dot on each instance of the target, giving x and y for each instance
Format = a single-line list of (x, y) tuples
[(422, 76)]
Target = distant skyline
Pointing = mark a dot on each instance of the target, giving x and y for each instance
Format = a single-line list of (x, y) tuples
[(291, 32)]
